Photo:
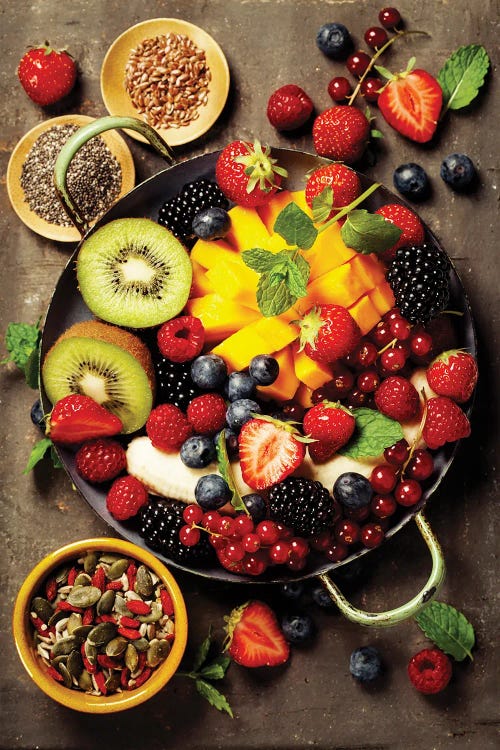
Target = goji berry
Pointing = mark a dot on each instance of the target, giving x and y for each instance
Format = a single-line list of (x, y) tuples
[(67, 607), (72, 575), (101, 682), (142, 661), (131, 576), (128, 622), (138, 607), (88, 616), (99, 579), (129, 633), (104, 618), (51, 589), (52, 672), (167, 604), (145, 675), (91, 668), (115, 585), (107, 662), (124, 675), (39, 624)]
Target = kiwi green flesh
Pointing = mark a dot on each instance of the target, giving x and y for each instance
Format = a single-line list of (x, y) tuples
[(103, 371), (134, 273)]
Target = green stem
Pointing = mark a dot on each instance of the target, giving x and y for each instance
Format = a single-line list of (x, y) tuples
[(344, 211), (192, 675)]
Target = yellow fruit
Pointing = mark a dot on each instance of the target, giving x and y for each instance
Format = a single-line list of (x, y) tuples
[(328, 252), (303, 396), (220, 317), (270, 211), (207, 254), (200, 284), (247, 229), (369, 269), (365, 314), (263, 336), (312, 374), (234, 280), (337, 287), (383, 298), (287, 382)]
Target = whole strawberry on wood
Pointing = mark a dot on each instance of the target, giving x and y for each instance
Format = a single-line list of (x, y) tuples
[(341, 133), (247, 173), (46, 74), (289, 107)]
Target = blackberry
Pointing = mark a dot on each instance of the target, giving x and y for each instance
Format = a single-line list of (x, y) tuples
[(174, 383), (177, 213), (159, 524), (418, 276), (301, 503)]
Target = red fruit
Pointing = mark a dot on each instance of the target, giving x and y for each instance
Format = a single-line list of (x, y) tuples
[(269, 452), (343, 181), (430, 670), (255, 638), (76, 418), (339, 88), (289, 107), (167, 427), (412, 230), (445, 422), (100, 460), (321, 452), (397, 398), (247, 174), (46, 74), (207, 413), (329, 423), (126, 497), (411, 103), (341, 133), (181, 339), (328, 332), (453, 374)]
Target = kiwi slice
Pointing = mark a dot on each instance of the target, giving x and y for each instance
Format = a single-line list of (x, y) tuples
[(134, 272), (104, 371)]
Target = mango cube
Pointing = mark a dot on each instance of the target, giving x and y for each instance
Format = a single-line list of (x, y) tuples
[(303, 396), (365, 314), (207, 254), (312, 374), (328, 252), (383, 298), (263, 336), (287, 382), (339, 287), (234, 280), (369, 269), (247, 229), (200, 284), (220, 317)]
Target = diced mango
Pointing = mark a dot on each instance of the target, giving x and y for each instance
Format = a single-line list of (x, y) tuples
[(278, 330), (365, 314), (263, 336), (234, 280), (247, 229), (221, 317), (369, 269), (303, 396), (328, 252), (382, 297), (312, 374), (339, 287), (269, 211), (207, 254), (200, 284), (287, 382)]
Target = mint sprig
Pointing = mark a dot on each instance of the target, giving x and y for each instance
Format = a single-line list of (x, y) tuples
[(448, 628), (369, 233), (22, 341), (226, 473), (462, 75), (204, 670), (296, 227), (39, 451), (373, 433)]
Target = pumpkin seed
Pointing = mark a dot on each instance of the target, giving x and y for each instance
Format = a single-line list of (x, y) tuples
[(85, 681), (82, 579), (143, 581), (116, 646), (65, 645), (155, 614), (106, 602), (90, 652), (67, 679), (56, 616), (141, 644), (102, 633), (157, 652), (74, 621), (61, 575), (108, 558), (120, 606), (84, 596), (131, 658), (42, 608), (113, 682), (117, 569), (74, 664), (90, 562), (82, 631), (63, 658)]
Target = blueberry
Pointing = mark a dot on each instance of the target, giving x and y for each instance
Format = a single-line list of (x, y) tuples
[(212, 492), (411, 180), (198, 451), (299, 629), (37, 415), (264, 369), (256, 506), (240, 411), (211, 223), (209, 372), (365, 664), (231, 441), (322, 598), (334, 40), (458, 171), (292, 590), (352, 490), (239, 385)]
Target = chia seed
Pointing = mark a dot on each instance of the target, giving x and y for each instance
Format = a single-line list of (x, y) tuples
[(94, 177)]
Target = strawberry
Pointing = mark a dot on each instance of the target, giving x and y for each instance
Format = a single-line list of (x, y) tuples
[(126, 497), (100, 460), (321, 452), (412, 230), (343, 181), (167, 427), (328, 332), (254, 636), (453, 374), (289, 107), (46, 74), (329, 423), (207, 413), (181, 339), (341, 133), (445, 422), (269, 451), (76, 418), (397, 398), (411, 102), (247, 174)]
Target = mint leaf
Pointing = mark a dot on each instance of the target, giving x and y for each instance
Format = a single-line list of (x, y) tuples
[(369, 233), (273, 299), (216, 669), (32, 368), (322, 205), (22, 342), (202, 652), (376, 133), (448, 628), (56, 461), (462, 76), (226, 473), (213, 696), (373, 433), (296, 227), (258, 259), (38, 452)]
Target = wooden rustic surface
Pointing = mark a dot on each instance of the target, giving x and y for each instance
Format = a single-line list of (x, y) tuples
[(313, 701)]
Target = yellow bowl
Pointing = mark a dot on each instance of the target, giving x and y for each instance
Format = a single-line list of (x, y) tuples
[(23, 630)]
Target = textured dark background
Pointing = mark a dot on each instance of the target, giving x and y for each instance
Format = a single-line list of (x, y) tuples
[(313, 701)]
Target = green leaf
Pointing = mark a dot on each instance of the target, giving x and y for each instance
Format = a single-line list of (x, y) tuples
[(56, 461), (32, 368), (273, 299), (213, 696), (322, 205), (384, 72), (38, 452), (369, 233), (258, 259), (296, 227), (462, 76), (448, 628), (216, 669), (202, 652), (373, 433), (227, 474), (376, 133), (22, 342)]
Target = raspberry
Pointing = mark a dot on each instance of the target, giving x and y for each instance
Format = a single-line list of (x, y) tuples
[(289, 107), (100, 460), (126, 497), (207, 413), (167, 427), (181, 339), (445, 422), (397, 398), (430, 670)]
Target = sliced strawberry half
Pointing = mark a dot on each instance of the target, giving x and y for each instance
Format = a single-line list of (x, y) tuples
[(269, 451), (411, 103), (76, 418), (254, 637)]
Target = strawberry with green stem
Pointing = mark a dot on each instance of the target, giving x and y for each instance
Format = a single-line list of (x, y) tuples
[(247, 173)]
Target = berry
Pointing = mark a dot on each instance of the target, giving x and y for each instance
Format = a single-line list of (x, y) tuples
[(343, 181), (289, 107), (383, 506), (174, 384), (329, 423), (298, 629), (321, 597), (411, 181), (256, 506), (370, 88), (357, 63), (372, 535), (293, 590), (418, 276), (192, 514), (234, 551), (247, 174), (408, 493), (383, 479), (239, 385), (453, 374), (366, 354), (240, 412), (126, 497), (207, 413), (160, 523), (347, 531), (352, 490), (209, 372), (341, 133), (181, 339), (420, 466), (338, 387), (430, 671), (211, 521), (365, 664), (336, 552), (401, 329), (328, 332), (334, 40), (189, 536), (368, 381), (177, 213), (46, 74), (397, 398), (445, 423), (254, 636), (381, 334), (198, 451), (398, 453), (244, 524), (392, 360), (37, 415), (375, 37), (321, 452), (264, 369), (268, 532), (212, 492), (167, 427), (211, 223), (339, 88), (411, 104), (302, 504), (76, 418), (389, 17), (420, 342), (269, 452), (412, 230), (458, 171), (251, 542), (100, 460)]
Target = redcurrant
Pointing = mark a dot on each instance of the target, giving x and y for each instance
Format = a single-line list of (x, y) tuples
[(420, 343), (268, 532), (235, 551), (368, 381), (192, 513), (336, 552), (358, 514), (375, 37), (372, 535), (366, 353), (255, 564), (393, 360), (251, 542), (408, 492), (400, 329), (357, 63), (339, 88), (244, 524), (370, 88), (189, 536), (321, 541), (389, 17), (381, 335), (398, 453), (383, 506), (347, 531), (420, 466), (279, 553), (383, 479), (211, 520)]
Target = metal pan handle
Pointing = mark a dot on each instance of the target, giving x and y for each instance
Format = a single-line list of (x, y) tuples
[(84, 134), (410, 608)]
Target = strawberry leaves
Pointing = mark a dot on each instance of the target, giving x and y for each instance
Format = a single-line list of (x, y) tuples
[(462, 76), (448, 628)]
